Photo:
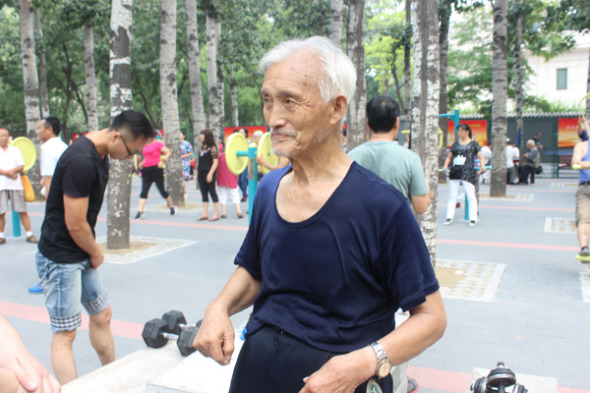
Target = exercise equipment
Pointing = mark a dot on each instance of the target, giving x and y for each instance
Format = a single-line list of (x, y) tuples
[(576, 167), (236, 162), (27, 149), (239, 155), (172, 326), (29, 152), (497, 381), (265, 151)]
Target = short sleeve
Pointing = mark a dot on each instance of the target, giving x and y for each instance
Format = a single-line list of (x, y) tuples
[(406, 261), (418, 182), (214, 152), (79, 177)]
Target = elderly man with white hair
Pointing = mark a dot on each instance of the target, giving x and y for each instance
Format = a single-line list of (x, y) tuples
[(331, 253), (529, 163)]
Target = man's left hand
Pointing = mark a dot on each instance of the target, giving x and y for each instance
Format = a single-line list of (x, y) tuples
[(342, 374)]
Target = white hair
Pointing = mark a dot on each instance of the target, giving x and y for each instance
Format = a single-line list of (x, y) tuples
[(339, 73)]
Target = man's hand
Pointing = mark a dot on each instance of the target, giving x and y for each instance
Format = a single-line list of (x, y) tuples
[(342, 374), (14, 357), (215, 338), (97, 259)]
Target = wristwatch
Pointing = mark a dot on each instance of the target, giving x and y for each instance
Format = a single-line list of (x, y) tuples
[(383, 363)]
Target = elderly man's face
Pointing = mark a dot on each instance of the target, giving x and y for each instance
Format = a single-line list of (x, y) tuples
[(293, 107), (4, 138), (43, 131)]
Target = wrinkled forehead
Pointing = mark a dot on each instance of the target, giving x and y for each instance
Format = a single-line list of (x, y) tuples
[(3, 132)]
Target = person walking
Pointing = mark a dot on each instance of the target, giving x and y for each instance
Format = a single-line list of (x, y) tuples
[(11, 187), (581, 157), (207, 173), (243, 177), (227, 184), (69, 257), (52, 148), (332, 250), (186, 153), (155, 154), (462, 172)]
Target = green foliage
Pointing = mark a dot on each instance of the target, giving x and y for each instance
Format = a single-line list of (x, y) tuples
[(11, 98)]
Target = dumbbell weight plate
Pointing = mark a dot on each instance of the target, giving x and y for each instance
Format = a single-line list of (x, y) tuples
[(479, 386), (185, 341), (501, 375), (153, 333), (175, 320)]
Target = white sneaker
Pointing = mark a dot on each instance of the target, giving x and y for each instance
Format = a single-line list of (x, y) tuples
[(472, 223), (173, 211), (449, 221)]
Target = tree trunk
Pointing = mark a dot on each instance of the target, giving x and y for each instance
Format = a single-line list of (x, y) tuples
[(500, 93), (91, 91), (357, 123), (588, 91), (406, 115), (194, 69), (518, 92), (233, 86), (169, 99), (220, 79), (42, 65), (119, 190), (443, 122), (30, 84), (426, 105), (336, 7), (212, 86)]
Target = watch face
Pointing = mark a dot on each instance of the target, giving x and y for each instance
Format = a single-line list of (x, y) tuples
[(384, 369)]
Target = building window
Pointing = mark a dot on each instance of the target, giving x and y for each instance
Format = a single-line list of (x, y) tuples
[(562, 79)]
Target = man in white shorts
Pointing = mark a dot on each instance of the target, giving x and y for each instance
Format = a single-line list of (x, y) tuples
[(11, 187)]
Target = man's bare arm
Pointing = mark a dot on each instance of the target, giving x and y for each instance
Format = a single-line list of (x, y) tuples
[(216, 335), (75, 210)]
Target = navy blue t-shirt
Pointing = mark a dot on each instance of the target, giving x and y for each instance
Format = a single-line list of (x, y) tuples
[(335, 280)]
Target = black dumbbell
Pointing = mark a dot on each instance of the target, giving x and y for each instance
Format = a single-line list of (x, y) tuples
[(497, 381), (155, 334), (176, 324)]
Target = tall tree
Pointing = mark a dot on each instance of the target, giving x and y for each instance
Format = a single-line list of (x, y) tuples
[(30, 82), (214, 94), (168, 94), (91, 90), (194, 69), (443, 107), (425, 106), (406, 115), (233, 88), (518, 85), (500, 95), (336, 7), (42, 65), (119, 193), (357, 117)]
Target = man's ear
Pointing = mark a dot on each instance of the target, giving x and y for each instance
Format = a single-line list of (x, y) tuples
[(339, 106)]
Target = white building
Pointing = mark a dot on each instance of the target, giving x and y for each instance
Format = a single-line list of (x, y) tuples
[(564, 78)]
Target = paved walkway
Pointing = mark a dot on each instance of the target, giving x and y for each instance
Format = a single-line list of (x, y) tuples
[(517, 296)]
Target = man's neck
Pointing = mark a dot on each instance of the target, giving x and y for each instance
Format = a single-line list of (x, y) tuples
[(100, 139), (383, 136)]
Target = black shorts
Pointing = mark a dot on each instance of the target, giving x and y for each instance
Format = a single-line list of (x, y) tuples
[(273, 361)]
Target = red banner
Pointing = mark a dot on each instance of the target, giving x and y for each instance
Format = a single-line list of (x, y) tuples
[(567, 132), (479, 131)]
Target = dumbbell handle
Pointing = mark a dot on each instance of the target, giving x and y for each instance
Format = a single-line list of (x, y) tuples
[(169, 336)]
